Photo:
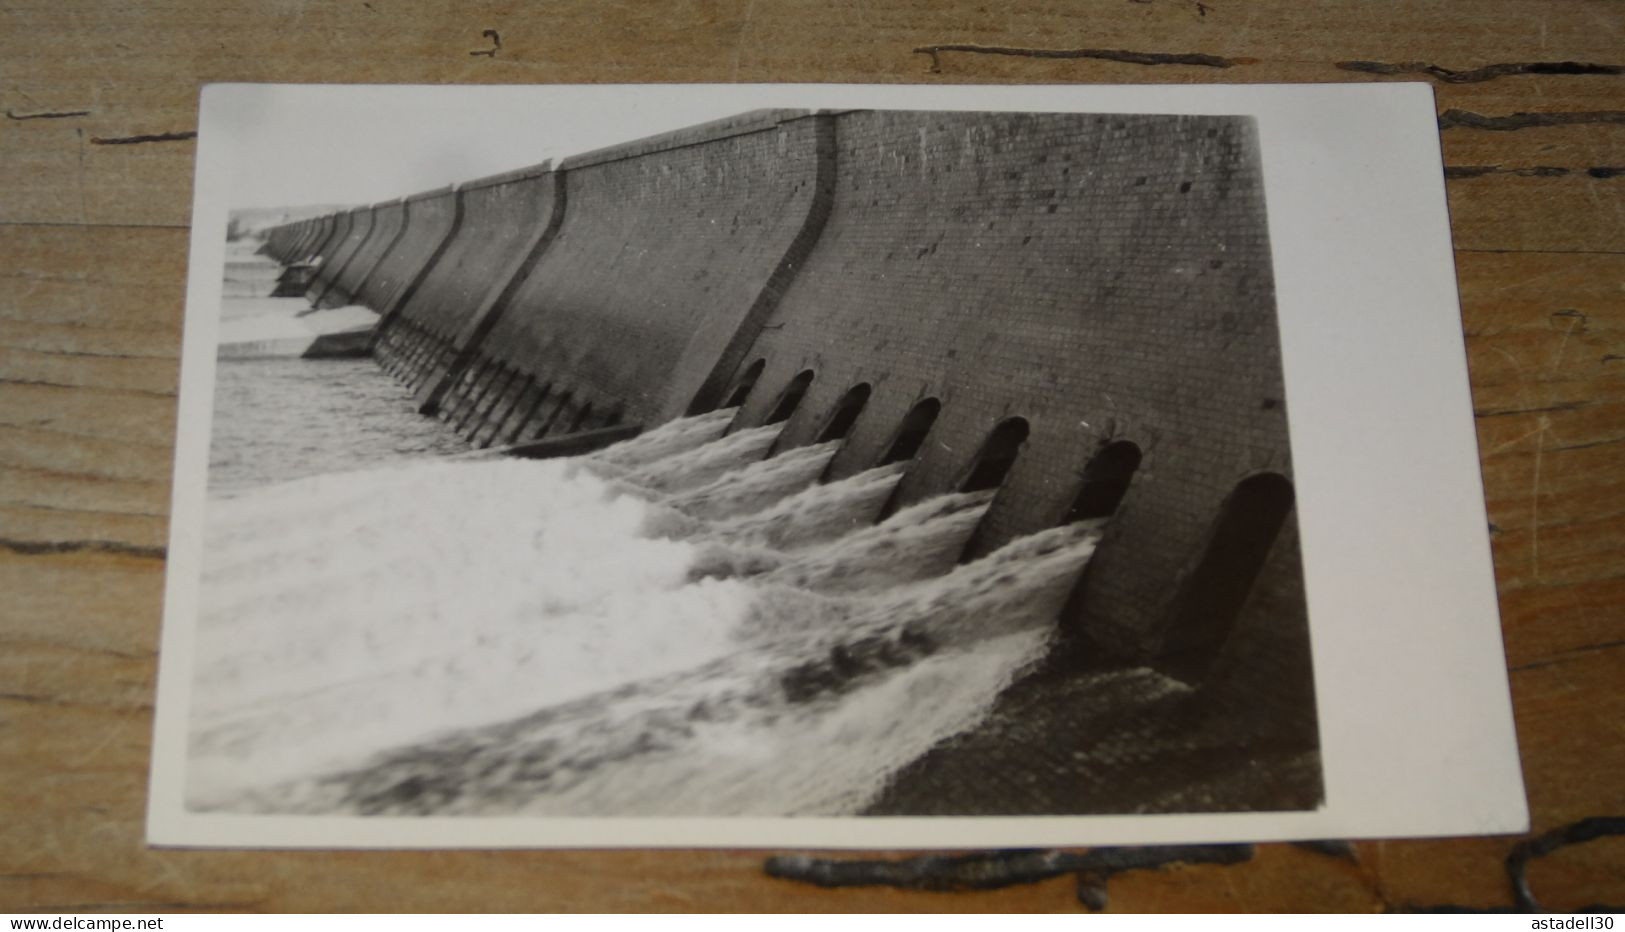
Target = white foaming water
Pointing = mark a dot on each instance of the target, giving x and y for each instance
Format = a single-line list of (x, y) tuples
[(814, 515), (703, 464), (336, 623), (518, 641), (826, 758), (758, 485), (667, 440), (919, 542), (820, 513)]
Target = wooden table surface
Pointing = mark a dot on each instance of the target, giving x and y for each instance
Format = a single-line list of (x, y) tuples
[(96, 149)]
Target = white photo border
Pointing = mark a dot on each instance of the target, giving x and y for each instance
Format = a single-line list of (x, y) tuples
[(1415, 712)]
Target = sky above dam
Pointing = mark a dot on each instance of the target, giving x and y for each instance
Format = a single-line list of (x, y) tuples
[(293, 145)]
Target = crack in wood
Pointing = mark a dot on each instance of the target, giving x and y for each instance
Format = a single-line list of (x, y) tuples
[(34, 506), (1487, 251), (992, 870), (146, 137), (83, 354), (1478, 171), (1118, 55), (1484, 73), (46, 114), (1453, 118), (1566, 656), (1202, 9), (1503, 412), (98, 388), (37, 351), (1585, 446), (33, 548)]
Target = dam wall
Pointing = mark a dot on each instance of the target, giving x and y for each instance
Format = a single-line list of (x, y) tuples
[(502, 222), (427, 220), (286, 244), (339, 251), (321, 230), (1074, 309), (384, 225), (280, 241), (327, 253), (1105, 279), (667, 249), (292, 242), (296, 246)]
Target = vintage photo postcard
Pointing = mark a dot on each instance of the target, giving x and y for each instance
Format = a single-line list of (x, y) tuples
[(825, 466)]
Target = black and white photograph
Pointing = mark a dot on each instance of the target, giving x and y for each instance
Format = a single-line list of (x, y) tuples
[(785, 458)]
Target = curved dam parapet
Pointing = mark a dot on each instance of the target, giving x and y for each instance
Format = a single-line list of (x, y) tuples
[(304, 239), (501, 224), (667, 250), (281, 240), (321, 232), (325, 255), (283, 243), (384, 226), (429, 220), (287, 243), (341, 248)]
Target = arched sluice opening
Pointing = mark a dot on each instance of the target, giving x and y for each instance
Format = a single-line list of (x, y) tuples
[(911, 436), (1105, 481), (1209, 602), (846, 413), (791, 398), (746, 383), (993, 464), (997, 456)]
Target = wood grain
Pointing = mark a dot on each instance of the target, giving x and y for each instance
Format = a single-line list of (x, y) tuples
[(92, 263)]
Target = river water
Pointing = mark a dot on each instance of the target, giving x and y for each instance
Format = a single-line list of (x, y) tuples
[(672, 626), (283, 417), (287, 418)]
